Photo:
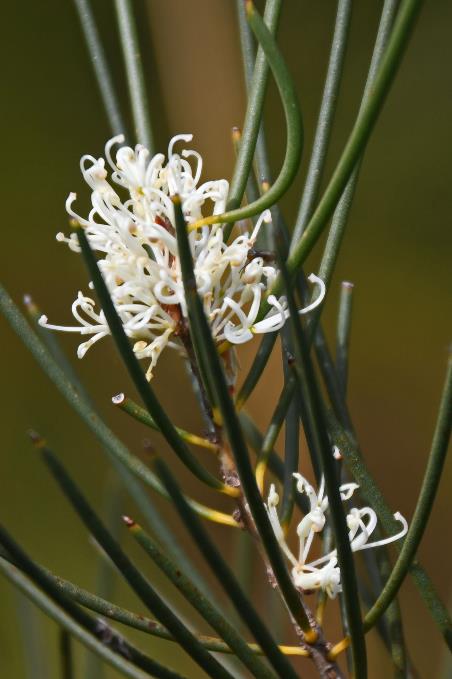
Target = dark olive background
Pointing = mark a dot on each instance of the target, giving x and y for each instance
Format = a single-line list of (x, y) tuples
[(397, 252)]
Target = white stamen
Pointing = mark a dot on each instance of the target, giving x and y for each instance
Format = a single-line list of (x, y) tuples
[(312, 278), (175, 139)]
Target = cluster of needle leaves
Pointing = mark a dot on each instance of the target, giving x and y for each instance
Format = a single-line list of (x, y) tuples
[(313, 399)]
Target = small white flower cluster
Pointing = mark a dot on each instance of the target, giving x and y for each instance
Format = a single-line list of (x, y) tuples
[(324, 572), (140, 261)]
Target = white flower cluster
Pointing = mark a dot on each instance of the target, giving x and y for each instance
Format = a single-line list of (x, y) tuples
[(140, 262), (324, 572)]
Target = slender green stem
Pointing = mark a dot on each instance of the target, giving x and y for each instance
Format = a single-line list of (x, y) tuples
[(141, 415), (101, 70), (291, 459), (224, 575), (293, 387), (35, 651), (134, 71), (343, 329), (262, 166), (247, 46), (93, 632), (252, 190), (244, 560), (202, 338), (329, 376), (52, 343), (374, 497), (389, 625), (357, 141), (284, 400), (253, 116), (106, 574), (257, 368), (291, 436), (200, 602), (263, 354), (275, 464), (294, 125), (270, 436), (131, 574), (112, 444), (424, 504), (261, 359), (344, 318), (326, 116), (248, 49), (67, 669), (150, 400), (342, 211)]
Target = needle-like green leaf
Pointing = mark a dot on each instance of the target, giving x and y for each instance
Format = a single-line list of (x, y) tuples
[(155, 409), (257, 84), (343, 334), (99, 62), (260, 360), (201, 603), (94, 633), (67, 665), (270, 436), (131, 574), (134, 71), (342, 211), (326, 116), (128, 406)]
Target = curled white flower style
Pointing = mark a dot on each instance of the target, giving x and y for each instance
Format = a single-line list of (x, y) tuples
[(324, 572), (135, 235)]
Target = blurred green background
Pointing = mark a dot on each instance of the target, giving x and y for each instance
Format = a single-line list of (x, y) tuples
[(397, 252)]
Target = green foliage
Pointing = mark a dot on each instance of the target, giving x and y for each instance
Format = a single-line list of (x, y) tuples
[(313, 398)]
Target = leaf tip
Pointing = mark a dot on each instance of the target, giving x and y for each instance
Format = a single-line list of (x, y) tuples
[(118, 399), (37, 440), (249, 8), (130, 523), (236, 134)]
